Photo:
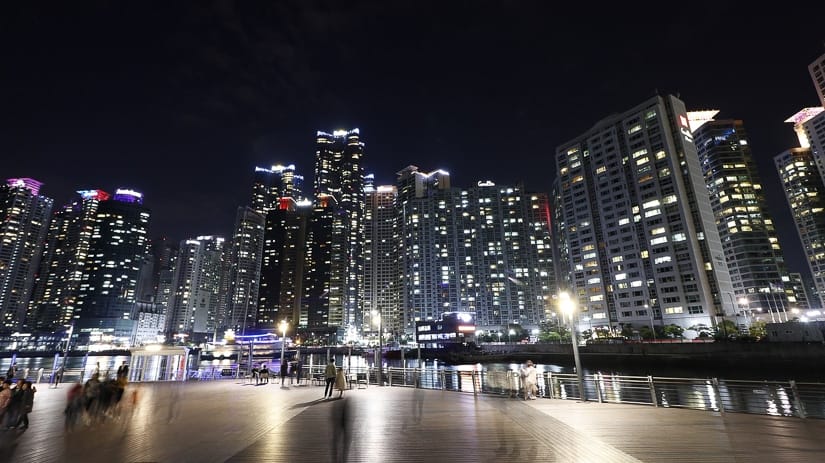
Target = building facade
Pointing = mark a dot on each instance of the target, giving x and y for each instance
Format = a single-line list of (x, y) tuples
[(117, 248), (755, 260), (65, 253), (24, 221), (382, 278), (637, 224), (484, 250)]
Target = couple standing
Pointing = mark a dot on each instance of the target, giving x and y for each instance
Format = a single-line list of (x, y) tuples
[(335, 380)]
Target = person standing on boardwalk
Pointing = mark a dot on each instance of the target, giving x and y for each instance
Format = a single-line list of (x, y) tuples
[(284, 372), (528, 380), (340, 382), (329, 377)]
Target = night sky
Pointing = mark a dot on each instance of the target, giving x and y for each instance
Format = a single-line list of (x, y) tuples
[(182, 100)]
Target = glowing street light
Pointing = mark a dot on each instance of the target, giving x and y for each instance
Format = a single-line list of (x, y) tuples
[(568, 306), (283, 326), (379, 354), (509, 334)]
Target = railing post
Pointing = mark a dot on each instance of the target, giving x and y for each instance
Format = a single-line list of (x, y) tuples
[(597, 383), (652, 388), (389, 376), (549, 384), (798, 404), (718, 394), (473, 378)]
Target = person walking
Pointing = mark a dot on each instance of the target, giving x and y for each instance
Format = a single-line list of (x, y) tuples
[(528, 380), (27, 405), (329, 376)]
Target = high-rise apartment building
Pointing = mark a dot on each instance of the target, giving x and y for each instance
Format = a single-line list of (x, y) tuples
[(244, 270), (117, 248), (196, 299), (637, 223), (64, 260), (282, 265), (24, 221), (817, 71), (485, 250), (805, 192), (271, 184), (334, 252), (382, 278), (752, 251)]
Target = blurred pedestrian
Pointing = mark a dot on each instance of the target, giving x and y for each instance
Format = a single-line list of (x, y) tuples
[(74, 405), (58, 376), (12, 371), (254, 372), (28, 403), (340, 382), (5, 398), (528, 380), (299, 366), (341, 430), (329, 377), (284, 372)]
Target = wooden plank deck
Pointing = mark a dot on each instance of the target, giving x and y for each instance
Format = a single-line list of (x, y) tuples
[(229, 421)]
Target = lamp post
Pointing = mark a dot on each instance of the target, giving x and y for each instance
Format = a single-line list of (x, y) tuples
[(283, 326), (380, 351), (510, 333), (499, 337), (744, 301), (568, 307), (650, 314)]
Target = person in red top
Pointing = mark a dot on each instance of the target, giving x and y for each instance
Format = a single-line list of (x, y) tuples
[(74, 405)]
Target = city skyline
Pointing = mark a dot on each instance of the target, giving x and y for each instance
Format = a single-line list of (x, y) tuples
[(182, 102)]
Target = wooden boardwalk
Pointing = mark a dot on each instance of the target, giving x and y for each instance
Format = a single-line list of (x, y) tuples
[(225, 421)]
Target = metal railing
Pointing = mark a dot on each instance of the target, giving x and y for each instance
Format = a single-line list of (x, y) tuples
[(777, 398)]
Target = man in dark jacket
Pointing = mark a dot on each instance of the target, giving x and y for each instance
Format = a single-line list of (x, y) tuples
[(27, 403)]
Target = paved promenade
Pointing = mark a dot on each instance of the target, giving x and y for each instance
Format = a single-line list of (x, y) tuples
[(227, 421)]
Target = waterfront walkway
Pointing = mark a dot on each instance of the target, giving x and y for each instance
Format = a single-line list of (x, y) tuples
[(228, 421)]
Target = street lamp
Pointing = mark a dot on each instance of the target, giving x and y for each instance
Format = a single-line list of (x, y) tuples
[(499, 337), (650, 314), (380, 351), (568, 307), (283, 326), (747, 303), (509, 334)]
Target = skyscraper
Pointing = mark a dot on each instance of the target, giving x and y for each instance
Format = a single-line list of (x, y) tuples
[(752, 251), (485, 249), (271, 184), (282, 265), (196, 299), (332, 290), (64, 261), (637, 223), (117, 248), (805, 192), (244, 270), (24, 221), (382, 282)]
